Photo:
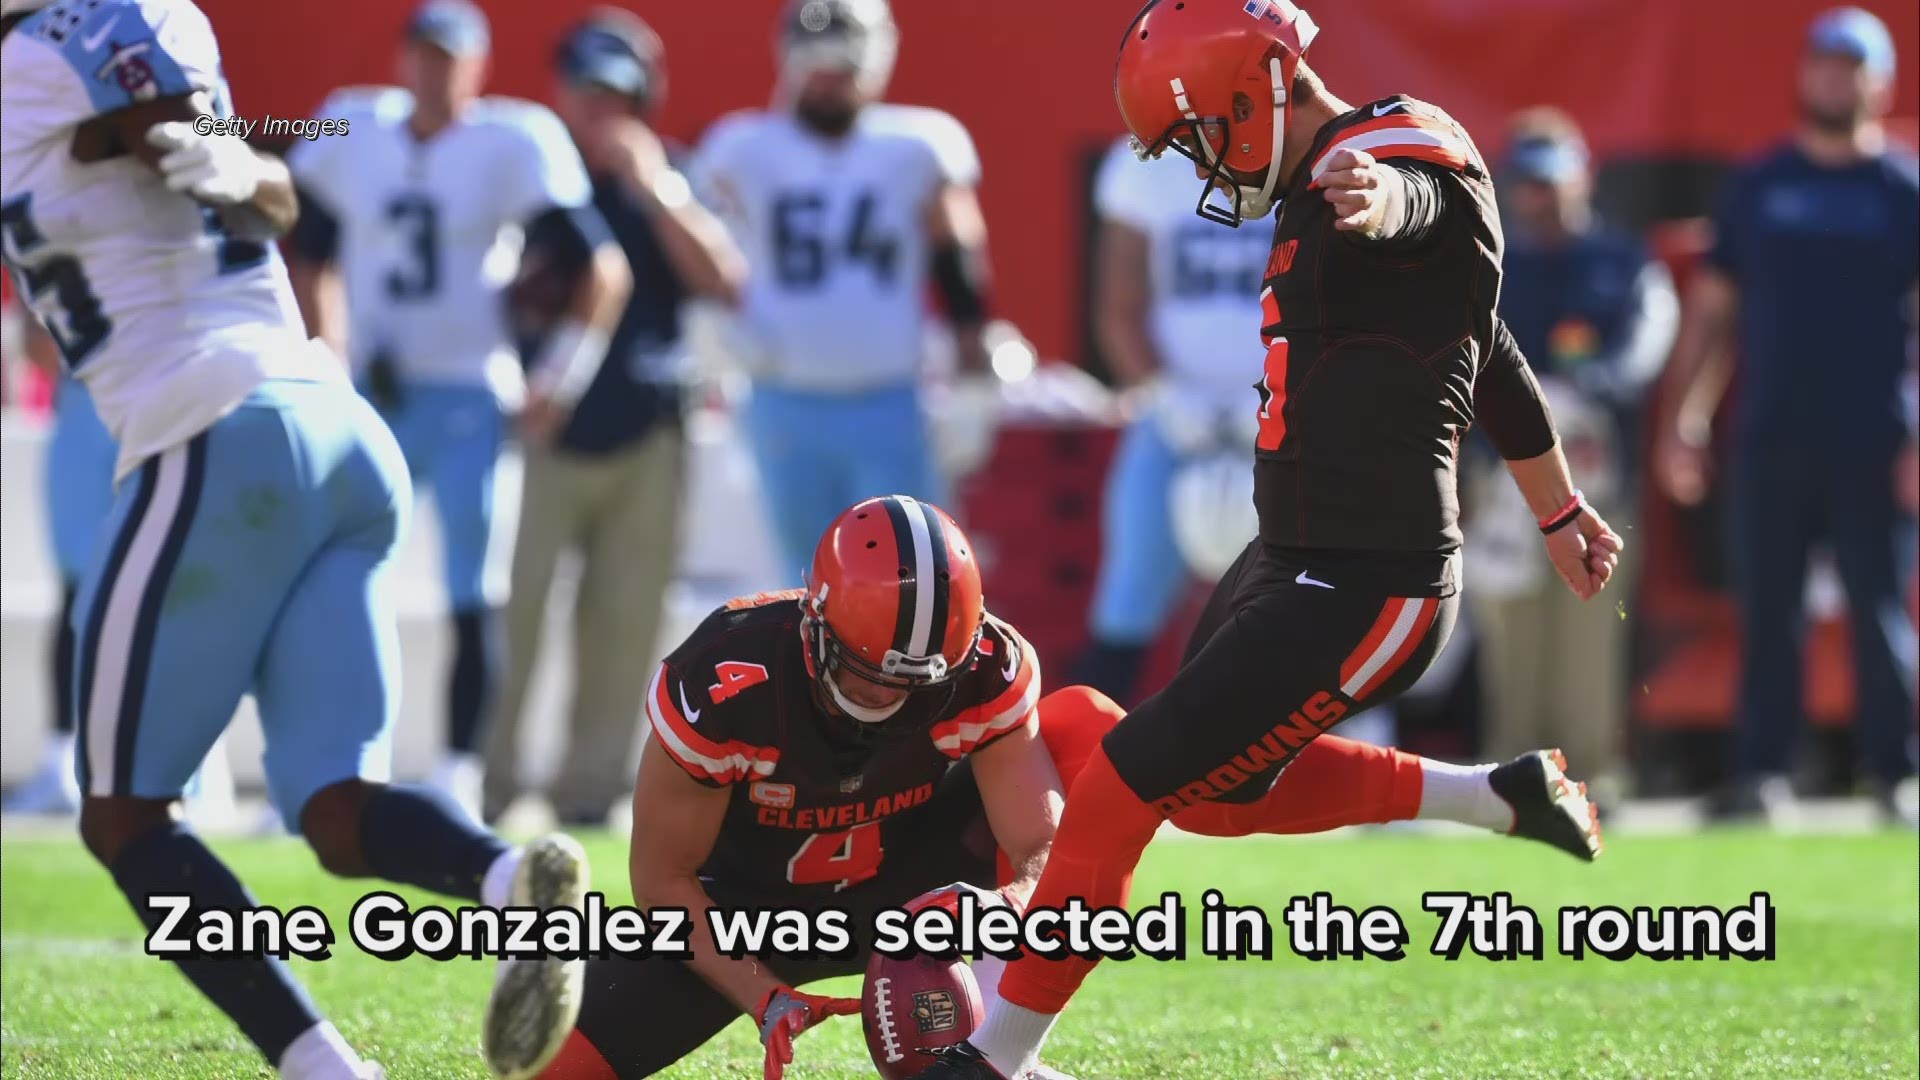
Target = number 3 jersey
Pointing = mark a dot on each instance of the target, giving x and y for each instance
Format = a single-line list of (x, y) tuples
[(168, 319), (818, 800), (429, 232), (835, 235)]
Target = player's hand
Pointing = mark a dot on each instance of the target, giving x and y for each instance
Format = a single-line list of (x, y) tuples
[(220, 169), (635, 152), (541, 420), (1684, 468), (784, 1013), (1585, 553), (1360, 189), (948, 897)]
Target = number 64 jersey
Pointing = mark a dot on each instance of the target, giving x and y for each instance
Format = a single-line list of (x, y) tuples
[(820, 803), (835, 235), (167, 319)]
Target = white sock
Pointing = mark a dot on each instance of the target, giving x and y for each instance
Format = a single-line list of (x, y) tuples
[(1012, 1036), (1462, 793), (496, 889), (319, 1053), (987, 971), (60, 752)]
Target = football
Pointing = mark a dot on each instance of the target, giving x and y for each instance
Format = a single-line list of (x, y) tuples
[(913, 1005)]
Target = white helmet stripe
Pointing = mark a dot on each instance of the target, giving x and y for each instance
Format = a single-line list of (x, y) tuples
[(924, 582)]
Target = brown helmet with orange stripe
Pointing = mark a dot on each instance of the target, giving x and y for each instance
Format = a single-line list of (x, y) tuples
[(893, 605), (1199, 76)]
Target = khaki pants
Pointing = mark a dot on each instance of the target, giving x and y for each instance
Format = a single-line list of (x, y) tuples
[(621, 513), (1554, 671)]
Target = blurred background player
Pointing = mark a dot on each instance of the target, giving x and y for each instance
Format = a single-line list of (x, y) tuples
[(1172, 298), (1595, 315), (610, 487), (78, 489), (847, 209), (1812, 281), (259, 504), (417, 215)]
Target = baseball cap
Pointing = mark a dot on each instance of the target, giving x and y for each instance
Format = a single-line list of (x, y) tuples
[(1547, 159), (1853, 32), (454, 25), (621, 55)]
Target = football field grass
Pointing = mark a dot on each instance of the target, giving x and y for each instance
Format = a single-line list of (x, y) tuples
[(79, 999)]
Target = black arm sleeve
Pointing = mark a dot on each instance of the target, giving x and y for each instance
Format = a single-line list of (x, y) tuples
[(316, 234), (1422, 214), (1508, 403)]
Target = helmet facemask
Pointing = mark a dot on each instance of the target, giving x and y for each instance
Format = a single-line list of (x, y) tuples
[(852, 36), (1206, 141), (828, 655)]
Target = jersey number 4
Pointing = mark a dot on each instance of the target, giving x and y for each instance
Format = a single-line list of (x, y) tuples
[(803, 250), (842, 859), (735, 676)]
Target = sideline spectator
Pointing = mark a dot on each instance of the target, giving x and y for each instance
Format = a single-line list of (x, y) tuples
[(1813, 277)]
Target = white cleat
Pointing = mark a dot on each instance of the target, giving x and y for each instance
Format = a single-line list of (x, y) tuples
[(535, 1002), (1047, 1072), (371, 1070)]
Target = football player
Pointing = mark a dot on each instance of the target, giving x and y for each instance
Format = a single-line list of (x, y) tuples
[(867, 740), (259, 504), (846, 208), (416, 211), (1383, 346), (1171, 299)]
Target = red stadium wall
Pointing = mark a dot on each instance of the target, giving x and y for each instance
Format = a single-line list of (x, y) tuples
[(1033, 82)]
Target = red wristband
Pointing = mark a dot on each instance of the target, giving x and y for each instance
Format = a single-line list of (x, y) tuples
[(1564, 516)]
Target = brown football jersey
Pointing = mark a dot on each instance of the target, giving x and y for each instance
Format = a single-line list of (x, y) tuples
[(1373, 350), (818, 798)]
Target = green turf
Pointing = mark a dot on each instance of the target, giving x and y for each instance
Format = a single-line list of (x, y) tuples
[(79, 999)]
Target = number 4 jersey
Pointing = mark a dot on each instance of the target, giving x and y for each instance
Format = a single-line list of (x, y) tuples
[(167, 319), (818, 799), (835, 237)]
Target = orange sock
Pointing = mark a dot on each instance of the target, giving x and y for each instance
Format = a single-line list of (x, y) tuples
[(579, 1060), (1333, 782), (1103, 831)]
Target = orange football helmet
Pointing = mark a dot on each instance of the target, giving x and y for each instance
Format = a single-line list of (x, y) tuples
[(894, 596), (1196, 75)]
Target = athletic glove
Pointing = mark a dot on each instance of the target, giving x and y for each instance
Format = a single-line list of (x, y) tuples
[(784, 1013), (219, 169)]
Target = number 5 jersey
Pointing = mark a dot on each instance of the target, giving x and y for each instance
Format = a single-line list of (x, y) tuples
[(168, 319)]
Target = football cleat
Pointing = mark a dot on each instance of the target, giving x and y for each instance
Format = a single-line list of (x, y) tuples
[(1547, 806), (958, 1062), (535, 1002)]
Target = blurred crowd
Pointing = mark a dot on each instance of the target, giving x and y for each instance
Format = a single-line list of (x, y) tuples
[(820, 269)]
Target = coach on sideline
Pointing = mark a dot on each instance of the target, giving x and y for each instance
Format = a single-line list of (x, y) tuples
[(1814, 274), (611, 484)]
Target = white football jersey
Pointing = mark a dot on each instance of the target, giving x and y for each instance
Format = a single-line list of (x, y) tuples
[(835, 235), (431, 232), (1204, 277), (168, 320)]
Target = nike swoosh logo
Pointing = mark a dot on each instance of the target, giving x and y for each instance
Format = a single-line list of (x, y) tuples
[(1303, 579), (1382, 110), (93, 43), (692, 714)]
